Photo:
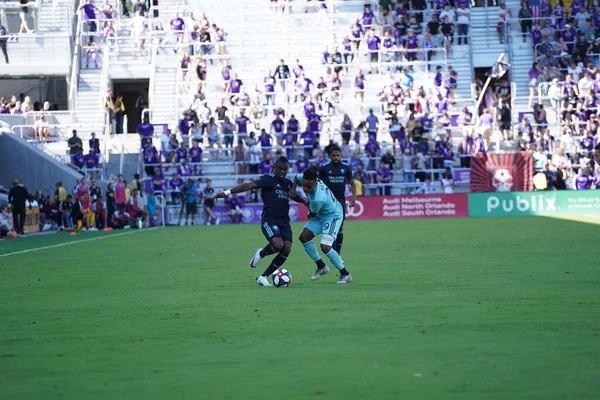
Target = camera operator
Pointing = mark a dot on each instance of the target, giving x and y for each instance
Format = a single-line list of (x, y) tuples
[(18, 196)]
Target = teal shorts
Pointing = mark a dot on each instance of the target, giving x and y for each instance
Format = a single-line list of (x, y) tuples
[(328, 225)]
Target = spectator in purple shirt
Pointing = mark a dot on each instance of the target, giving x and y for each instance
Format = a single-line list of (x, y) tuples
[(372, 125), (150, 155), (91, 160), (158, 182), (384, 178), (373, 44), (298, 70), (78, 159), (289, 141), (308, 143), (269, 90), (89, 13), (303, 87), (587, 144), (234, 207), (181, 153), (145, 129), (357, 31), (277, 128), (265, 141), (241, 125), (234, 85), (301, 163), (266, 164), (372, 151), (582, 181), (536, 35), (314, 123), (177, 27), (175, 185), (184, 169), (368, 18), (354, 162)]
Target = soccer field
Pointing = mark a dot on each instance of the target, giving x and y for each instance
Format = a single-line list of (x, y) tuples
[(474, 308)]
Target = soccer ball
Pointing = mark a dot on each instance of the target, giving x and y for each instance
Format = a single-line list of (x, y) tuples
[(282, 278)]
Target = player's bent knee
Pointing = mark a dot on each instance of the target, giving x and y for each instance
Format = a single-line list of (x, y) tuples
[(305, 237), (277, 244), (325, 248), (287, 248)]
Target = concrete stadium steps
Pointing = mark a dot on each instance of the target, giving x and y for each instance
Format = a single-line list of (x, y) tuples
[(55, 19), (522, 56), (13, 20), (89, 102), (162, 101), (33, 49), (484, 36)]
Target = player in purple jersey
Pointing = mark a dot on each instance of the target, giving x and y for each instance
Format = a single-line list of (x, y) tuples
[(275, 220)]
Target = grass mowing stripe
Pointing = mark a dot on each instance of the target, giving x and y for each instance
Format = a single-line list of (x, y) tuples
[(70, 243)]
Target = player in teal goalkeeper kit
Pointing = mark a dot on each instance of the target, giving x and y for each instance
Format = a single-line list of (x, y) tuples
[(325, 217)]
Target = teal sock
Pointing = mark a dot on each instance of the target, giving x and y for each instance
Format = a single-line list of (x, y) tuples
[(335, 259), (311, 250)]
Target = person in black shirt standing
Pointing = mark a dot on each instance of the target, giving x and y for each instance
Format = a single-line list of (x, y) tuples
[(3, 41), (335, 174), (110, 200), (18, 196), (275, 220), (209, 203), (282, 73)]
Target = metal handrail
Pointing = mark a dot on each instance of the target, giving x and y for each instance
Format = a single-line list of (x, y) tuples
[(151, 83), (75, 64), (104, 77)]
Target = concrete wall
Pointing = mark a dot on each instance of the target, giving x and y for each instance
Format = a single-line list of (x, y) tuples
[(34, 168), (36, 88)]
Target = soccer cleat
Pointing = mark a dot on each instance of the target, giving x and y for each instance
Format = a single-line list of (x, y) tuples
[(256, 259), (320, 272), (345, 279), (263, 281)]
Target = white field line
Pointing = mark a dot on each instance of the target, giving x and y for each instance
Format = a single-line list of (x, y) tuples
[(76, 242)]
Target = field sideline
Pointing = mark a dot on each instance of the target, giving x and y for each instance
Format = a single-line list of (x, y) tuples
[(474, 308)]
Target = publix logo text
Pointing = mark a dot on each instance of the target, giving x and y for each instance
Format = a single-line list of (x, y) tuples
[(523, 203)]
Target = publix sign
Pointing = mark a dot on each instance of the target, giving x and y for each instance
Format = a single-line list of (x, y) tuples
[(534, 203)]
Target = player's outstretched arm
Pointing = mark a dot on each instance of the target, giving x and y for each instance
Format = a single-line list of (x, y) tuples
[(244, 187)]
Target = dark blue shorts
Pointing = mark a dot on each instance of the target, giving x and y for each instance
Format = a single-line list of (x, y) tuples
[(271, 229)]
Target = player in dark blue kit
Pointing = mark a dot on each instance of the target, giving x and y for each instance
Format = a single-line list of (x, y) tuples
[(335, 174), (275, 220)]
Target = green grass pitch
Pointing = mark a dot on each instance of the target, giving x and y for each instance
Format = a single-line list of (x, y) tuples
[(439, 309)]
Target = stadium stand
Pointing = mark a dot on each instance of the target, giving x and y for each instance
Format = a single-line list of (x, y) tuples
[(385, 81)]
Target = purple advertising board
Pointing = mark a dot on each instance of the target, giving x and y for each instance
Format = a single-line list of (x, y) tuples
[(462, 175)]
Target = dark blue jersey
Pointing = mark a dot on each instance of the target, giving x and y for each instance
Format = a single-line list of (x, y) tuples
[(336, 177), (276, 199), (208, 192)]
